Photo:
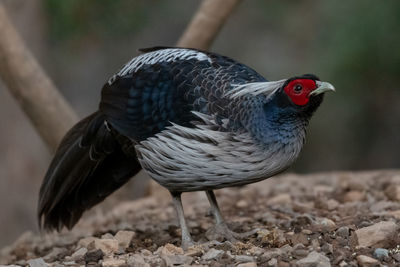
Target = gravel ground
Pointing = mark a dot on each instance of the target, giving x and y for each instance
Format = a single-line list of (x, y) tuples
[(329, 219)]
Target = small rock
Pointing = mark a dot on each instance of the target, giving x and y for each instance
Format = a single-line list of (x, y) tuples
[(176, 260), (39, 262), (110, 262), (299, 253), (325, 225), (194, 251), (212, 254), (343, 231), (331, 204), (343, 264), (393, 192), (303, 206), (242, 204), (137, 260), (247, 264), (314, 259), (395, 214), (173, 249), (55, 253), (108, 246), (273, 263), (365, 261), (280, 199), (256, 251), (87, 242), (94, 256), (124, 238), (107, 236), (306, 232), (270, 254), (69, 263), (396, 256), (327, 248), (79, 254), (381, 253), (353, 196), (377, 235), (243, 258), (322, 189)]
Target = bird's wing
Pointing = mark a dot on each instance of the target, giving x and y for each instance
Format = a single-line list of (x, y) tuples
[(165, 85)]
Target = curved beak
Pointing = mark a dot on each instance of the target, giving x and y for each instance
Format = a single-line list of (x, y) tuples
[(322, 88)]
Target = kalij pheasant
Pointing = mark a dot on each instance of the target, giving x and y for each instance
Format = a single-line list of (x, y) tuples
[(193, 120)]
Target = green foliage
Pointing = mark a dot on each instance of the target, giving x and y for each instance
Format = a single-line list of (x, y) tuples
[(76, 19)]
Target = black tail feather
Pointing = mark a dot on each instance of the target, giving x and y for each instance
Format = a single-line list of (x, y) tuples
[(88, 166)]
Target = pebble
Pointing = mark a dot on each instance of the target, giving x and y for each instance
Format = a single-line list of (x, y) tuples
[(55, 252), (273, 263), (327, 248), (212, 254), (314, 259), (94, 255), (272, 253), (247, 264), (87, 242), (242, 204), (243, 258), (111, 262), (377, 235), (108, 246), (280, 199), (137, 260), (194, 251), (381, 253), (331, 204), (39, 262), (365, 261), (79, 254), (124, 238), (107, 236), (393, 192), (343, 231), (395, 214), (324, 225), (396, 256), (353, 196)]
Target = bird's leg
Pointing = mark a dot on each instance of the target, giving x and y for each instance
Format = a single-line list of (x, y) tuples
[(221, 229), (187, 240)]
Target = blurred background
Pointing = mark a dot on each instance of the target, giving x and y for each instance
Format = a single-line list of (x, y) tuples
[(354, 45)]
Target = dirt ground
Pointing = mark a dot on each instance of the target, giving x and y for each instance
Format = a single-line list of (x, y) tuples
[(328, 219)]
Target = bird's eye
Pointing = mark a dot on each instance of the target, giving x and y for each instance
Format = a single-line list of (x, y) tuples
[(298, 88)]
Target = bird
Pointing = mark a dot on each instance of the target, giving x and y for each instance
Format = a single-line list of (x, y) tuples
[(193, 120)]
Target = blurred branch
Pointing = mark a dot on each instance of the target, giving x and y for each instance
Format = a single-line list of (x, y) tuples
[(206, 23), (35, 92)]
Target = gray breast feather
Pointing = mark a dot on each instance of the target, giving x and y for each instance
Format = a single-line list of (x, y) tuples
[(189, 159)]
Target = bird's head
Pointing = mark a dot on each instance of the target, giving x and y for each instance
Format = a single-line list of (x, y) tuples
[(303, 93)]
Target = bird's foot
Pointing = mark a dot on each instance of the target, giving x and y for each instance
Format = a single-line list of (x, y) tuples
[(187, 243), (221, 232)]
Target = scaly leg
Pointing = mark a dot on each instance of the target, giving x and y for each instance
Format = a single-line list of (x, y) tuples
[(221, 229), (187, 240)]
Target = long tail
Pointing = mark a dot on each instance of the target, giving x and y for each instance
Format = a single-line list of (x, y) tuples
[(88, 166)]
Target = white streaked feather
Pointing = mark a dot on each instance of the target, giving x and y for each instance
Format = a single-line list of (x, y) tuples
[(257, 88), (163, 55)]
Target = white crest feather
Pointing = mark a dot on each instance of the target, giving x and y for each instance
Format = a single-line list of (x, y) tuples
[(257, 88)]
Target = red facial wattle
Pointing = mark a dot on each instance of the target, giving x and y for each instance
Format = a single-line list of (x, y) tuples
[(299, 90)]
